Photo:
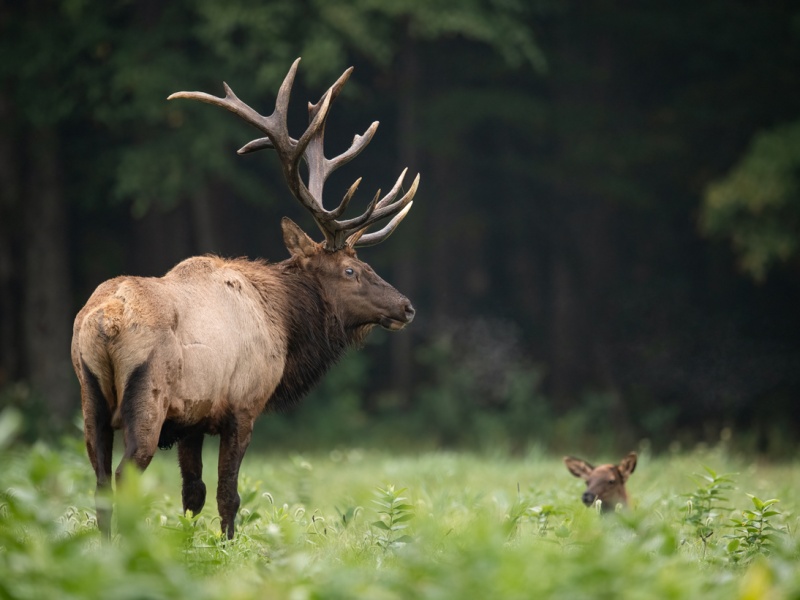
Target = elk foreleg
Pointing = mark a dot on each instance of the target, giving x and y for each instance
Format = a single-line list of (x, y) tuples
[(234, 439), (190, 458)]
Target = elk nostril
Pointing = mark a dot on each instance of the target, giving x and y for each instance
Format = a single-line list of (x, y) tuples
[(410, 312), (588, 498)]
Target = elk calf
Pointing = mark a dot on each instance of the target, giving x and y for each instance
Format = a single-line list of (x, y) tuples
[(605, 483), (208, 346)]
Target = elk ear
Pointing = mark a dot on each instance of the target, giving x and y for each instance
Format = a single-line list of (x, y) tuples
[(627, 466), (579, 468), (296, 240)]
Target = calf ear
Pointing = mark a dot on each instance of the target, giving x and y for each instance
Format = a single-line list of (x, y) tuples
[(579, 468), (627, 465), (296, 240)]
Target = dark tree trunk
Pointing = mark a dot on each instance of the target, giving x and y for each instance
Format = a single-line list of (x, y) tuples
[(439, 271), (9, 275), (567, 331), (47, 317), (583, 252), (405, 277)]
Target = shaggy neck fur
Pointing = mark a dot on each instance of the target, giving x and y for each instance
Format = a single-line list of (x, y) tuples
[(317, 337)]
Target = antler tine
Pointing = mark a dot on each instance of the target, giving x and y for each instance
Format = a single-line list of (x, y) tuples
[(319, 166), (360, 238), (343, 229), (394, 191), (384, 208), (256, 145), (337, 212), (281, 109), (285, 91), (230, 102)]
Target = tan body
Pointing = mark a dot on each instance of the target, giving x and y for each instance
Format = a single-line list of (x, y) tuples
[(206, 325), (605, 483), (208, 346)]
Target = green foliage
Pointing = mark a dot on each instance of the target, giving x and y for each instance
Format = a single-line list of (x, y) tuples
[(118, 77), (543, 518), (501, 25), (754, 532), (370, 28), (757, 205), (464, 510), (706, 503), (394, 513), (10, 425)]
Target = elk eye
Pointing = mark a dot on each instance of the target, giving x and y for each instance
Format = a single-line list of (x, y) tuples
[(349, 272), (611, 480)]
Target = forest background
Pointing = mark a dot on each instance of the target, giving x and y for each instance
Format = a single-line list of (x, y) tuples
[(604, 247)]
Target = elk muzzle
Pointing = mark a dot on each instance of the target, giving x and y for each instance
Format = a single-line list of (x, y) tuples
[(404, 317)]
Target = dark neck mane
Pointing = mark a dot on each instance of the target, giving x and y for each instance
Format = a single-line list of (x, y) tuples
[(316, 336)]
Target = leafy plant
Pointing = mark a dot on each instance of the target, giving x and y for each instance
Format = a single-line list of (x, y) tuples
[(705, 504), (50, 546), (347, 516), (539, 515), (394, 514), (754, 532)]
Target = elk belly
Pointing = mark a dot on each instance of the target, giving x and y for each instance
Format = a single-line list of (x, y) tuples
[(212, 383), (199, 384)]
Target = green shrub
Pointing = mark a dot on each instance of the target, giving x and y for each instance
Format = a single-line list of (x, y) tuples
[(485, 525)]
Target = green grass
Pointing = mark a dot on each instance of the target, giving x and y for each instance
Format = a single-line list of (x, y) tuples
[(353, 523)]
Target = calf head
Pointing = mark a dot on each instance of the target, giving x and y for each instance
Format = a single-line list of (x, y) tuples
[(605, 483)]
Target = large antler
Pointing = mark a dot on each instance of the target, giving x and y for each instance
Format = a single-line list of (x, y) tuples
[(309, 147)]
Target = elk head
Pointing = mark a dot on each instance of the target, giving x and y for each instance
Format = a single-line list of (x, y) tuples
[(361, 299), (358, 295), (605, 483)]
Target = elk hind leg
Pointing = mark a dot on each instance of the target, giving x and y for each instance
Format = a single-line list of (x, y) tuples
[(190, 459), (99, 437)]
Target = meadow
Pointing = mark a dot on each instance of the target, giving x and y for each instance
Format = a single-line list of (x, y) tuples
[(369, 523)]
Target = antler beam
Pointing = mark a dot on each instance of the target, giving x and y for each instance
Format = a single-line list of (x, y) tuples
[(338, 233)]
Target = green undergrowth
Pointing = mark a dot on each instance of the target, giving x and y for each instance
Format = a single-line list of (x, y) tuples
[(353, 523)]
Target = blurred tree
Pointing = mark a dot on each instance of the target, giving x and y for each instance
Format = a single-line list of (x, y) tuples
[(41, 98), (650, 103), (757, 205)]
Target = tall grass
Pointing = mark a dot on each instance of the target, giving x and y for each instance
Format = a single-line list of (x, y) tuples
[(454, 525)]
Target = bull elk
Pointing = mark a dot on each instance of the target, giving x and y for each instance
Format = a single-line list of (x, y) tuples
[(605, 483), (208, 346)]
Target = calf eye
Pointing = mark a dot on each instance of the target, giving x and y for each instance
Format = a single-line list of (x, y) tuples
[(349, 272)]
